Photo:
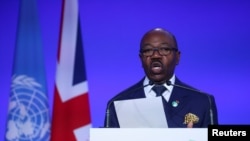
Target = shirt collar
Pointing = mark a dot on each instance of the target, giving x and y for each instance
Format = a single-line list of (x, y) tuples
[(148, 89)]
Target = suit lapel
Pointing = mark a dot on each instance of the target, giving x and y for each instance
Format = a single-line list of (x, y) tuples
[(137, 91), (177, 101)]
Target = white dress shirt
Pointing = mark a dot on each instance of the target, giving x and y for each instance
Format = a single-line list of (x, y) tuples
[(150, 93)]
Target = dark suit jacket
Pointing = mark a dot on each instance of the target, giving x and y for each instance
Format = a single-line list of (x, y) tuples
[(201, 104)]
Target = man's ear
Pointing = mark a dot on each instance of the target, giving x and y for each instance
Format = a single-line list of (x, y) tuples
[(178, 57), (140, 56)]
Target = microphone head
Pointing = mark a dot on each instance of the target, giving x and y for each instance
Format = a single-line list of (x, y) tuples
[(168, 83), (151, 82)]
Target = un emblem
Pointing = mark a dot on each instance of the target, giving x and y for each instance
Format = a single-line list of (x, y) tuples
[(28, 118)]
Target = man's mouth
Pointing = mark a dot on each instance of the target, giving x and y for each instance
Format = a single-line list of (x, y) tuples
[(156, 67)]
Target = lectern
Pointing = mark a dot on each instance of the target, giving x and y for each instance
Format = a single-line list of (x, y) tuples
[(148, 134)]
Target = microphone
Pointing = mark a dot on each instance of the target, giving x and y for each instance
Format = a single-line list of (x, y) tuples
[(209, 98), (118, 96)]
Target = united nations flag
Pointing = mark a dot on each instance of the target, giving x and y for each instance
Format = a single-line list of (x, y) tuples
[(28, 114)]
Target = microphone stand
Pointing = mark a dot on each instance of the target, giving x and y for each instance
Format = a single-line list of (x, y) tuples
[(107, 118)]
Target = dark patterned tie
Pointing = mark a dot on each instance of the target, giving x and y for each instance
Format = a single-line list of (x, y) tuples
[(159, 89)]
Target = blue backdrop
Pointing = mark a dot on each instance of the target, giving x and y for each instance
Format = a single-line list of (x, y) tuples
[(213, 36)]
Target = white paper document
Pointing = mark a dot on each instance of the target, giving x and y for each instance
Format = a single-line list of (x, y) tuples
[(141, 113)]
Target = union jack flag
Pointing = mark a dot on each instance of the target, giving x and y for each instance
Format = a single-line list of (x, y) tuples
[(71, 113)]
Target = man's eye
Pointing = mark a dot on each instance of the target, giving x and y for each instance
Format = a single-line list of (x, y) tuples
[(147, 50), (165, 48)]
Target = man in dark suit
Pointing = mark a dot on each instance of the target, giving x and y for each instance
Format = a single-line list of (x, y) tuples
[(183, 105)]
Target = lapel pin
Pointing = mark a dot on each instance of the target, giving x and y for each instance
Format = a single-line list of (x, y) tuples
[(175, 103)]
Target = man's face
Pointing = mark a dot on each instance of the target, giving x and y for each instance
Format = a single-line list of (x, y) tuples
[(159, 56)]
